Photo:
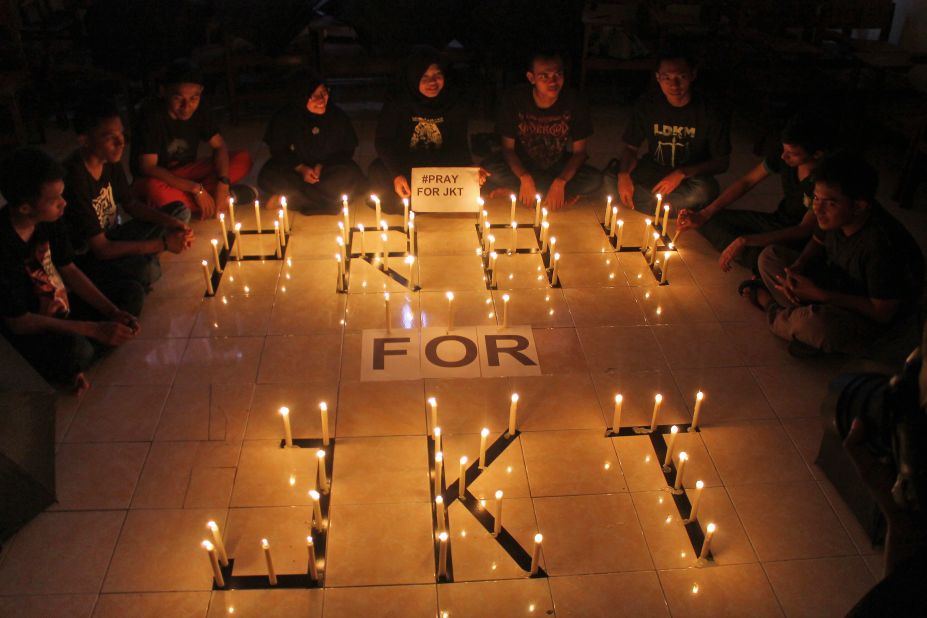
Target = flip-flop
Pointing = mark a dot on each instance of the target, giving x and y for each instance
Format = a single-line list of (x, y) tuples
[(749, 288)]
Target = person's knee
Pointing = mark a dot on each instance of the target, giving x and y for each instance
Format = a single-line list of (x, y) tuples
[(178, 210), (240, 163), (587, 181), (695, 193)]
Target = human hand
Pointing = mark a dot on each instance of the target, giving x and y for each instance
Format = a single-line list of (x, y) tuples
[(484, 174), (527, 192), (626, 190), (176, 240), (556, 194), (401, 186), (313, 174), (112, 333), (691, 219), (731, 252), (799, 288), (206, 203), (669, 183)]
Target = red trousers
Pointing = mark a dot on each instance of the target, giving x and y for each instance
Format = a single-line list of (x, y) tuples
[(158, 193)]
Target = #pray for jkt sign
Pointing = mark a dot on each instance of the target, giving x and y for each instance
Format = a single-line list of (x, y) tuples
[(445, 189), (411, 354)]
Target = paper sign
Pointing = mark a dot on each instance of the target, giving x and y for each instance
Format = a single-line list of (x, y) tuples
[(445, 189)]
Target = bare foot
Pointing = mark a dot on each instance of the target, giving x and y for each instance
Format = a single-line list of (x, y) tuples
[(499, 192)]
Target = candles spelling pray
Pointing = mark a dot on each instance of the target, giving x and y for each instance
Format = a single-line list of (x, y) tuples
[(536, 555), (505, 311), (613, 231), (555, 274), (237, 241), (450, 310), (484, 433), (657, 403), (323, 413), (670, 445), (389, 320), (442, 555), (619, 235), (376, 205), (271, 573), (405, 214), (287, 431), (439, 512), (225, 233), (232, 211), (616, 415), (514, 244), (462, 479), (664, 270), (214, 562), (439, 464), (313, 567), (316, 509), (220, 544), (693, 512), (656, 211), (680, 469), (257, 215), (513, 415), (706, 545), (208, 277), (433, 405), (537, 210), (497, 524), (323, 473), (608, 211), (699, 398), (512, 217), (666, 212), (215, 255)]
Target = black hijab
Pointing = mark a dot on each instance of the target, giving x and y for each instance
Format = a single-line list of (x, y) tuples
[(413, 68)]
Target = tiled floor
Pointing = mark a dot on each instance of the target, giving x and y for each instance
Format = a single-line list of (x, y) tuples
[(181, 427)]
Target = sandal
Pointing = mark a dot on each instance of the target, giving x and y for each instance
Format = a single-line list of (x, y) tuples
[(748, 289)]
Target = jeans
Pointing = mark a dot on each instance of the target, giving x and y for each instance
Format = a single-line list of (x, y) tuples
[(693, 193), (587, 180)]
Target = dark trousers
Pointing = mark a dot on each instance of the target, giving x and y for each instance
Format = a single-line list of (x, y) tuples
[(58, 357), (692, 193), (723, 228), (324, 196), (587, 180), (145, 269)]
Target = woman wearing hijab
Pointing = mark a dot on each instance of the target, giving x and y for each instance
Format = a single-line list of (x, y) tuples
[(312, 146), (423, 125)]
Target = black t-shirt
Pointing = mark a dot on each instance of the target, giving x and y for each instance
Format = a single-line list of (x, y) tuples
[(881, 260), (543, 137), (29, 279), (92, 203), (678, 136), (797, 195), (296, 136), (174, 141)]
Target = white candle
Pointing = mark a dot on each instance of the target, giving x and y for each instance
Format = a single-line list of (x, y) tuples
[(413, 280), (389, 320), (360, 227), (492, 243), (462, 479), (543, 215), (545, 230), (405, 214), (555, 275), (287, 432), (680, 469), (271, 573), (340, 242), (707, 544), (257, 215), (442, 555), (537, 210), (513, 415), (670, 445), (384, 242), (316, 509), (505, 311), (486, 227), (492, 269), (664, 270), (653, 255), (437, 436), (286, 214), (238, 241), (278, 248), (346, 213), (340, 285), (645, 241), (512, 217), (484, 433), (225, 233), (536, 556), (323, 413), (208, 276), (439, 512), (450, 310), (616, 415), (217, 539), (232, 212), (699, 398), (411, 235), (215, 254), (514, 237), (214, 562), (693, 512), (553, 243), (439, 464), (433, 404), (484, 216), (313, 567), (666, 211), (323, 473), (497, 524), (657, 403), (608, 211), (619, 235), (376, 206), (614, 227), (656, 211), (282, 221)]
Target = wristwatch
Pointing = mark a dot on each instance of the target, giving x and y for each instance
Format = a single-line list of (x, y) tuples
[(224, 180), (199, 189)]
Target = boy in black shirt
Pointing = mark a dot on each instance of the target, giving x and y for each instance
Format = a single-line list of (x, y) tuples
[(95, 187), (742, 234), (58, 333), (164, 152), (861, 272), (312, 147), (545, 128), (688, 140)]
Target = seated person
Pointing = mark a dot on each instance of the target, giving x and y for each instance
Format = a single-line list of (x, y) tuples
[(741, 234), (58, 332), (687, 136), (164, 151), (96, 187), (423, 124), (545, 127), (312, 147), (860, 274)]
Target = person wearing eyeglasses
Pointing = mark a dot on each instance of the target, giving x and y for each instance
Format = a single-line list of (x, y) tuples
[(687, 137), (312, 143), (545, 127)]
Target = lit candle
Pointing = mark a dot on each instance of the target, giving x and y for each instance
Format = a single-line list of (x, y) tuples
[(278, 248), (208, 276), (238, 241), (232, 212), (670, 445), (536, 556), (225, 233), (653, 255), (282, 222), (683, 458), (439, 512), (389, 320), (313, 567), (340, 242), (405, 214), (376, 206), (271, 574), (608, 210), (497, 524), (217, 539), (616, 415), (484, 214), (484, 433), (340, 285), (215, 254), (360, 226), (411, 235), (666, 211), (555, 275), (480, 202), (287, 431), (513, 415), (664, 270), (345, 212), (439, 464), (442, 555), (462, 479), (537, 210), (384, 242), (433, 404), (693, 512), (545, 231), (619, 236), (543, 215), (323, 473), (699, 398), (657, 403), (437, 435), (505, 311), (645, 241), (450, 310), (323, 413), (656, 211), (486, 227), (214, 561), (257, 215), (553, 243), (493, 282), (410, 262), (512, 218), (614, 227), (316, 509), (286, 214), (492, 243), (702, 555), (514, 237)]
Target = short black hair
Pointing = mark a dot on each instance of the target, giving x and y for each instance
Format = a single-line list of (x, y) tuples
[(674, 50), (849, 172), (91, 112), (182, 71), (810, 130), (24, 172), (547, 53)]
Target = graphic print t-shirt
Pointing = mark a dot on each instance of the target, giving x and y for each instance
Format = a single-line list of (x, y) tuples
[(174, 141), (92, 203), (29, 279), (543, 137), (678, 136)]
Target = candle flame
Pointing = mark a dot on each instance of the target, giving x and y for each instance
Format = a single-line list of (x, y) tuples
[(514, 397), (320, 454), (658, 398), (484, 432), (699, 484), (619, 398), (712, 528), (284, 411), (538, 537), (498, 494), (314, 494), (207, 545)]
